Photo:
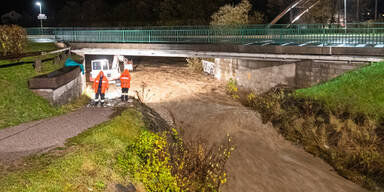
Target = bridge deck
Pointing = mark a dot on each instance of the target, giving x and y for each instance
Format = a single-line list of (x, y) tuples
[(355, 35), (293, 53)]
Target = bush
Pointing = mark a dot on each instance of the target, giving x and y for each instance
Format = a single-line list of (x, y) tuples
[(232, 89), (198, 167), (163, 162), (13, 39), (147, 160), (195, 64)]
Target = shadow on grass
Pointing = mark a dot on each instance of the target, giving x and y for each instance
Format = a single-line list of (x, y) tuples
[(23, 63)]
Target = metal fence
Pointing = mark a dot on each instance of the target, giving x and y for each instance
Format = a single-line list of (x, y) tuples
[(317, 34)]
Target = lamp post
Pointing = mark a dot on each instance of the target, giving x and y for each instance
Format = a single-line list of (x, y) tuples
[(41, 20)]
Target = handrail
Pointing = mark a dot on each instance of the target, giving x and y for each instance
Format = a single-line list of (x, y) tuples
[(324, 34)]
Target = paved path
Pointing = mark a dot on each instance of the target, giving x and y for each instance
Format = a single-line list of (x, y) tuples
[(38, 136)]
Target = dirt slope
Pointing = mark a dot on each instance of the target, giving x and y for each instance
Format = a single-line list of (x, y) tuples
[(263, 160)]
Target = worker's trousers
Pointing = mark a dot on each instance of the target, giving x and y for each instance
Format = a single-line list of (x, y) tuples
[(124, 94), (102, 97)]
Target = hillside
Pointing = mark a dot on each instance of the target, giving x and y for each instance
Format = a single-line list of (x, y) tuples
[(17, 103)]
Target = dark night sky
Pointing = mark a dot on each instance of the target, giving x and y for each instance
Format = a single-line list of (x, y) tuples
[(49, 6), (30, 6)]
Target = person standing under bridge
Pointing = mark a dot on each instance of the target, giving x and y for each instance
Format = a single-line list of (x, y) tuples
[(125, 80), (100, 85)]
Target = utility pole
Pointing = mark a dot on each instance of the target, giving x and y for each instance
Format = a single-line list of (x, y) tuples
[(375, 10), (358, 11), (345, 13)]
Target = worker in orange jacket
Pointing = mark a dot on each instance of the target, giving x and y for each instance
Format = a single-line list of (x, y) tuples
[(100, 85), (125, 80)]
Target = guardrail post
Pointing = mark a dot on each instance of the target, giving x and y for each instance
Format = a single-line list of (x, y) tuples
[(323, 37), (177, 36), (209, 35), (149, 37)]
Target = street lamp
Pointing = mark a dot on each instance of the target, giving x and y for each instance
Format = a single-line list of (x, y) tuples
[(41, 20)]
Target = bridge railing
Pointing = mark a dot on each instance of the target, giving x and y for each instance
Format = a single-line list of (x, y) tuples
[(319, 34)]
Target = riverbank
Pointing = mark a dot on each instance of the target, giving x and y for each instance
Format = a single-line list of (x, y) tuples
[(340, 121)]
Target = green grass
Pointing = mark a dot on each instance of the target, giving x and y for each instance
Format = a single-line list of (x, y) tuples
[(33, 47), (88, 162), (17, 103), (361, 90)]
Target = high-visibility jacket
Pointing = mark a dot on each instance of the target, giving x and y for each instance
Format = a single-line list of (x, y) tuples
[(104, 83), (125, 79)]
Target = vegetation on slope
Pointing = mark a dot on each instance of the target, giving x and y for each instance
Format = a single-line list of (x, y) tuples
[(356, 91), (17, 103), (122, 151), (88, 163), (340, 121)]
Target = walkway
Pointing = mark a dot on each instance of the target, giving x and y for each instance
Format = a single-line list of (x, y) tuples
[(45, 134)]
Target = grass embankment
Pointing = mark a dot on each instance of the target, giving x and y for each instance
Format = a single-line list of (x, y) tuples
[(33, 47), (360, 90), (340, 121), (87, 163), (17, 103), (118, 152)]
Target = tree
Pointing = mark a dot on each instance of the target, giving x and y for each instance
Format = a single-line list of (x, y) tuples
[(321, 13), (257, 18), (232, 15)]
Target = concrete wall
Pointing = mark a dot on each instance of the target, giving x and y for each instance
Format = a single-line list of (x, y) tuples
[(309, 73), (65, 93), (260, 76)]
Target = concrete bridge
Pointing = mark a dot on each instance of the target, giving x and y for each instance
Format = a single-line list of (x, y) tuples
[(356, 43), (301, 55)]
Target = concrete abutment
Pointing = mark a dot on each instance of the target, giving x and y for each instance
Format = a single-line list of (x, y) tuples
[(260, 76)]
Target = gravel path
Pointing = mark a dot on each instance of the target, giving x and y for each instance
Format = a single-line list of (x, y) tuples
[(45, 134)]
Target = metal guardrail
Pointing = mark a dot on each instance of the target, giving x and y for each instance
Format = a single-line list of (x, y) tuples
[(317, 34)]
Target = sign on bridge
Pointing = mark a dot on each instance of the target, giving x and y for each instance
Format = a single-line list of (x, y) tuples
[(209, 67)]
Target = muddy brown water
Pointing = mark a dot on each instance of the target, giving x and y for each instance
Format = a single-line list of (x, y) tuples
[(263, 159)]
